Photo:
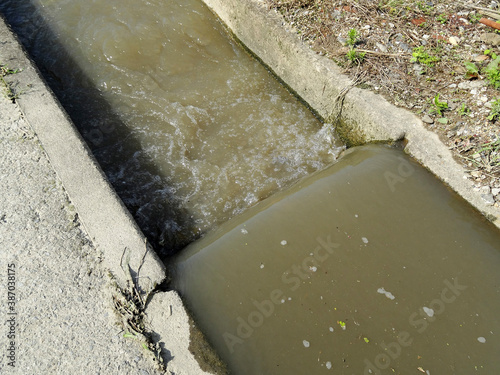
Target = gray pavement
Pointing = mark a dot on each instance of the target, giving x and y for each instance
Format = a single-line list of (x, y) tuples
[(58, 313)]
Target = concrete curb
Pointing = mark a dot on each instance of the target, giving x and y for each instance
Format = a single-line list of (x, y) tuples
[(365, 116), (103, 214)]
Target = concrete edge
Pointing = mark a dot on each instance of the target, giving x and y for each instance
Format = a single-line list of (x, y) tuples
[(365, 116), (105, 218)]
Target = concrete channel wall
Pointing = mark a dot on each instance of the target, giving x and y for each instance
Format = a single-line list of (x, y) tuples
[(104, 216), (365, 116)]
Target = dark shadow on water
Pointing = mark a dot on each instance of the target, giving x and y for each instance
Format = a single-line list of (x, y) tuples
[(167, 225)]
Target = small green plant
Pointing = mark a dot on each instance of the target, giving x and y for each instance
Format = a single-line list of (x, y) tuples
[(421, 56), (472, 70), (9, 91), (488, 156), (492, 72), (474, 17), (423, 7), (355, 56), (352, 37), (463, 110), (495, 110), (438, 107), (442, 18)]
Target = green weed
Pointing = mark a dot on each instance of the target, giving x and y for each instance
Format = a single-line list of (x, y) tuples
[(421, 56), (495, 110), (463, 110), (352, 37), (438, 107), (492, 72), (9, 89), (442, 18)]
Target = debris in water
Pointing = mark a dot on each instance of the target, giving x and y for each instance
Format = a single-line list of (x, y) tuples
[(342, 324), (283, 242), (313, 268), (387, 294), (328, 365), (429, 312), (366, 340), (306, 343), (261, 265), (331, 329), (481, 339), (365, 240), (244, 231)]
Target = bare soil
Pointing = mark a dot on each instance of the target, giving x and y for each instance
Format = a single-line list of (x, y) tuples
[(419, 56)]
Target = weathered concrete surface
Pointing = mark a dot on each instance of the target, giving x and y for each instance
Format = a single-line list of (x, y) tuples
[(63, 321), (52, 196), (104, 216), (365, 116)]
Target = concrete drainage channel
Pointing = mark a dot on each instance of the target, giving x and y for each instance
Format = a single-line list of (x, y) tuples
[(365, 117)]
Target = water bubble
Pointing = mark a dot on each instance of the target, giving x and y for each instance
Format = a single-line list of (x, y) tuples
[(387, 294), (284, 242), (481, 339), (429, 312)]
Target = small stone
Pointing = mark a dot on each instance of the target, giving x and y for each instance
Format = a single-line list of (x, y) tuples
[(488, 199), (484, 99), (473, 92), (467, 85), (495, 191), (488, 105), (427, 119), (381, 47), (480, 58), (454, 40), (485, 190), (490, 38), (342, 41)]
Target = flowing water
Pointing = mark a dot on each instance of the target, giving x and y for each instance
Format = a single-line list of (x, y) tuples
[(371, 266), (188, 127)]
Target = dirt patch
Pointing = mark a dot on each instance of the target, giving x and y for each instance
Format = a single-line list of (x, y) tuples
[(435, 59)]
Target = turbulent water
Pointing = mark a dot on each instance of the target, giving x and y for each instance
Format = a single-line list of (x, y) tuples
[(188, 127)]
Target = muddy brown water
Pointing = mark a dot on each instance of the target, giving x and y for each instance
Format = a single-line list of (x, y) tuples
[(371, 266), (188, 127)]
